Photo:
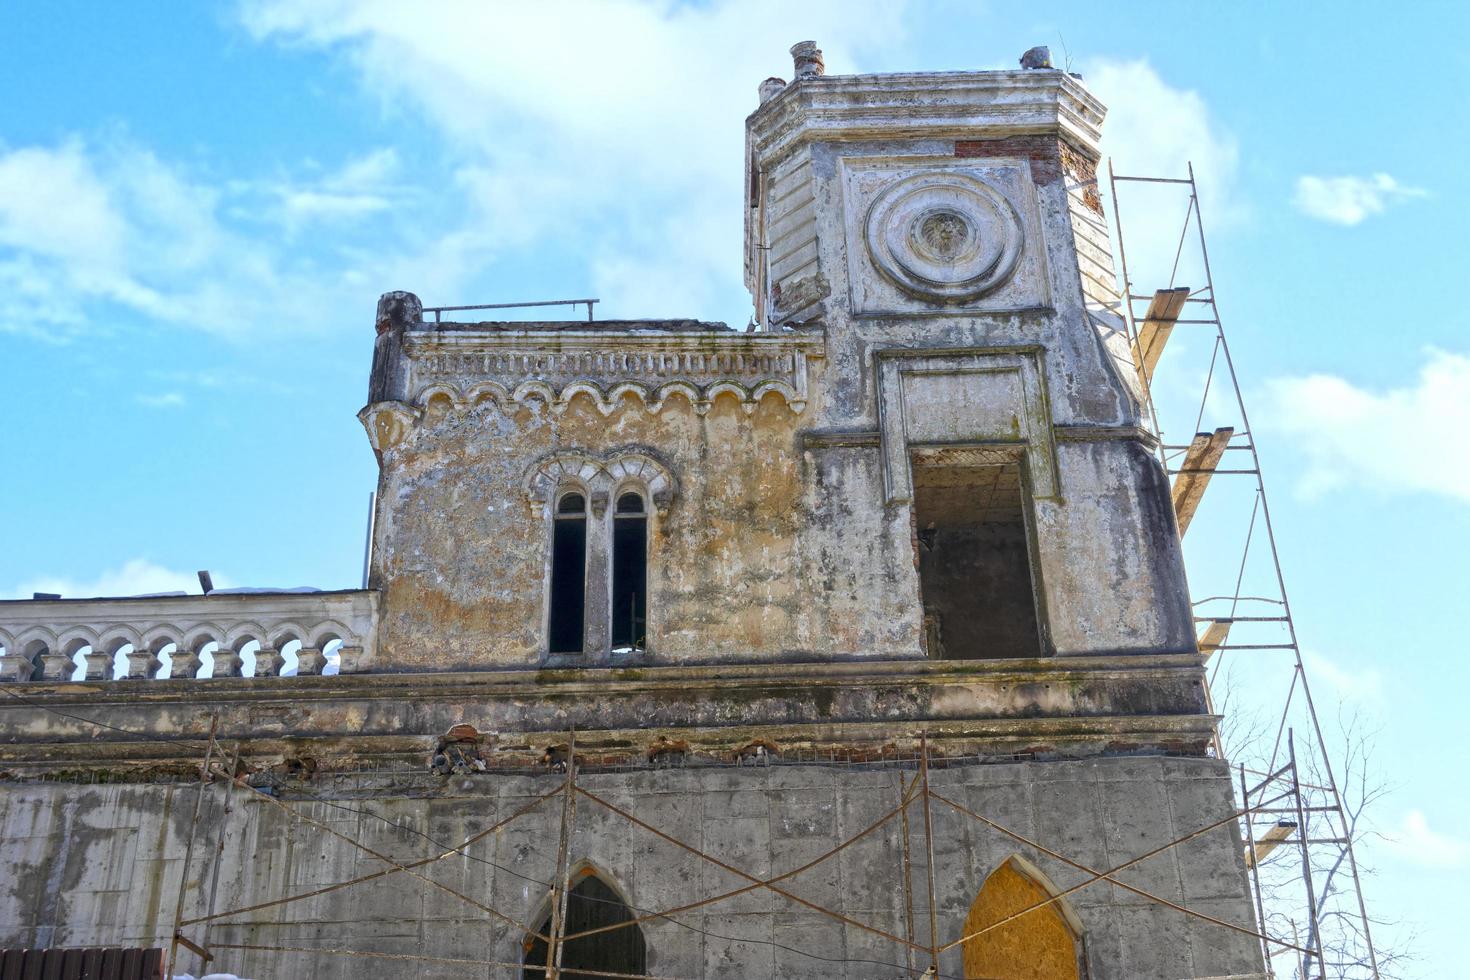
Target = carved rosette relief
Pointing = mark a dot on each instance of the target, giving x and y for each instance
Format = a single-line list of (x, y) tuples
[(934, 234), (946, 237)]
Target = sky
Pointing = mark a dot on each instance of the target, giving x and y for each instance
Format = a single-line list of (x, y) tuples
[(199, 205)]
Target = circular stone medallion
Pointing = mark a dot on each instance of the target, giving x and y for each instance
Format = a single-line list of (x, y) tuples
[(945, 237)]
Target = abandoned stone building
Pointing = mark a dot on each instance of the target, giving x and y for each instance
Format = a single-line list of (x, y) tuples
[(853, 644)]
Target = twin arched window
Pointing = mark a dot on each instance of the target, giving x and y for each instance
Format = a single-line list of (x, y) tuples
[(597, 582)]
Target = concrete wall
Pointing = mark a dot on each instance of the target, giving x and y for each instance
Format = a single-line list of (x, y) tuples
[(101, 864)]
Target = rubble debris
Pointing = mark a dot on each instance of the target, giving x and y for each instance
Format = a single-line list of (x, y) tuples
[(668, 751), (458, 752), (555, 757), (759, 752)]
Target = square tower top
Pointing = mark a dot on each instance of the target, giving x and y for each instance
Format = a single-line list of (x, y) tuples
[(905, 123)]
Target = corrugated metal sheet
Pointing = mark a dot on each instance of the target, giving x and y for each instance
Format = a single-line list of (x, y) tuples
[(81, 964)]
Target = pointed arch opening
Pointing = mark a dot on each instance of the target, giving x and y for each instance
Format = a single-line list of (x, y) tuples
[(1042, 944), (591, 904)]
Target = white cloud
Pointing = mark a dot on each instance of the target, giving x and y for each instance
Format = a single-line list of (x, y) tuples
[(137, 576), (53, 204), (1349, 200), (1153, 129), (167, 399), (1346, 684), (362, 186), (1348, 434), (1417, 843), (615, 126), (90, 232)]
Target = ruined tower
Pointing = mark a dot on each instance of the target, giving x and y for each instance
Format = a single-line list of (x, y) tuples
[(860, 639)]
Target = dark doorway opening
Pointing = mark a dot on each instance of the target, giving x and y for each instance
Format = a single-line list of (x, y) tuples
[(630, 572), (974, 558), (591, 905), (568, 575)]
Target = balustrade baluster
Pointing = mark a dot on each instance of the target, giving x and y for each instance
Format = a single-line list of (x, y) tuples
[(186, 662), (351, 659), (57, 666), (14, 667), (142, 664), (268, 662), (310, 661), (98, 664), (228, 662)]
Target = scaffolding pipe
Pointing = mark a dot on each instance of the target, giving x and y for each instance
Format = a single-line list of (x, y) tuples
[(563, 884), (173, 946), (219, 851), (908, 881), (929, 846), (1250, 838), (1301, 821)]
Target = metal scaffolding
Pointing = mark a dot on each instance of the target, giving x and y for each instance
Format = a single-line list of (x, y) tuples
[(921, 953), (1312, 889)]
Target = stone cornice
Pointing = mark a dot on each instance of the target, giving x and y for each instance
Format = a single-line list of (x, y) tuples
[(1077, 705), (420, 342), (465, 366), (928, 105)]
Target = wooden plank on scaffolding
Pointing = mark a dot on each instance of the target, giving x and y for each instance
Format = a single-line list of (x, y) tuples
[(1213, 638), (1269, 841), (1153, 333), (1200, 462)]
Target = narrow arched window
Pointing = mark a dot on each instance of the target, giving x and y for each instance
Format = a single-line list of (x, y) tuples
[(616, 946), (568, 574), (630, 572)]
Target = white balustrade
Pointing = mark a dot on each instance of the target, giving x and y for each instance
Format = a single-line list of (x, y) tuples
[(54, 640)]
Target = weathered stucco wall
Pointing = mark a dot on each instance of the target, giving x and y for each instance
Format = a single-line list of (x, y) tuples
[(742, 562), (101, 864)]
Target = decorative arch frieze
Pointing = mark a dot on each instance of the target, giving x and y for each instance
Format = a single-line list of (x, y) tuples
[(510, 367), (601, 477)]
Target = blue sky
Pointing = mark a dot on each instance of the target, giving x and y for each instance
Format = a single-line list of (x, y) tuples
[(199, 205)]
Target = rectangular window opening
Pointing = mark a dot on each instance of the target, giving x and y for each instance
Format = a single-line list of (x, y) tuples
[(974, 561)]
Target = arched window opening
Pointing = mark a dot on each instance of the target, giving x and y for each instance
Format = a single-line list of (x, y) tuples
[(332, 657), (630, 573), (1042, 944), (591, 905), (568, 574)]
